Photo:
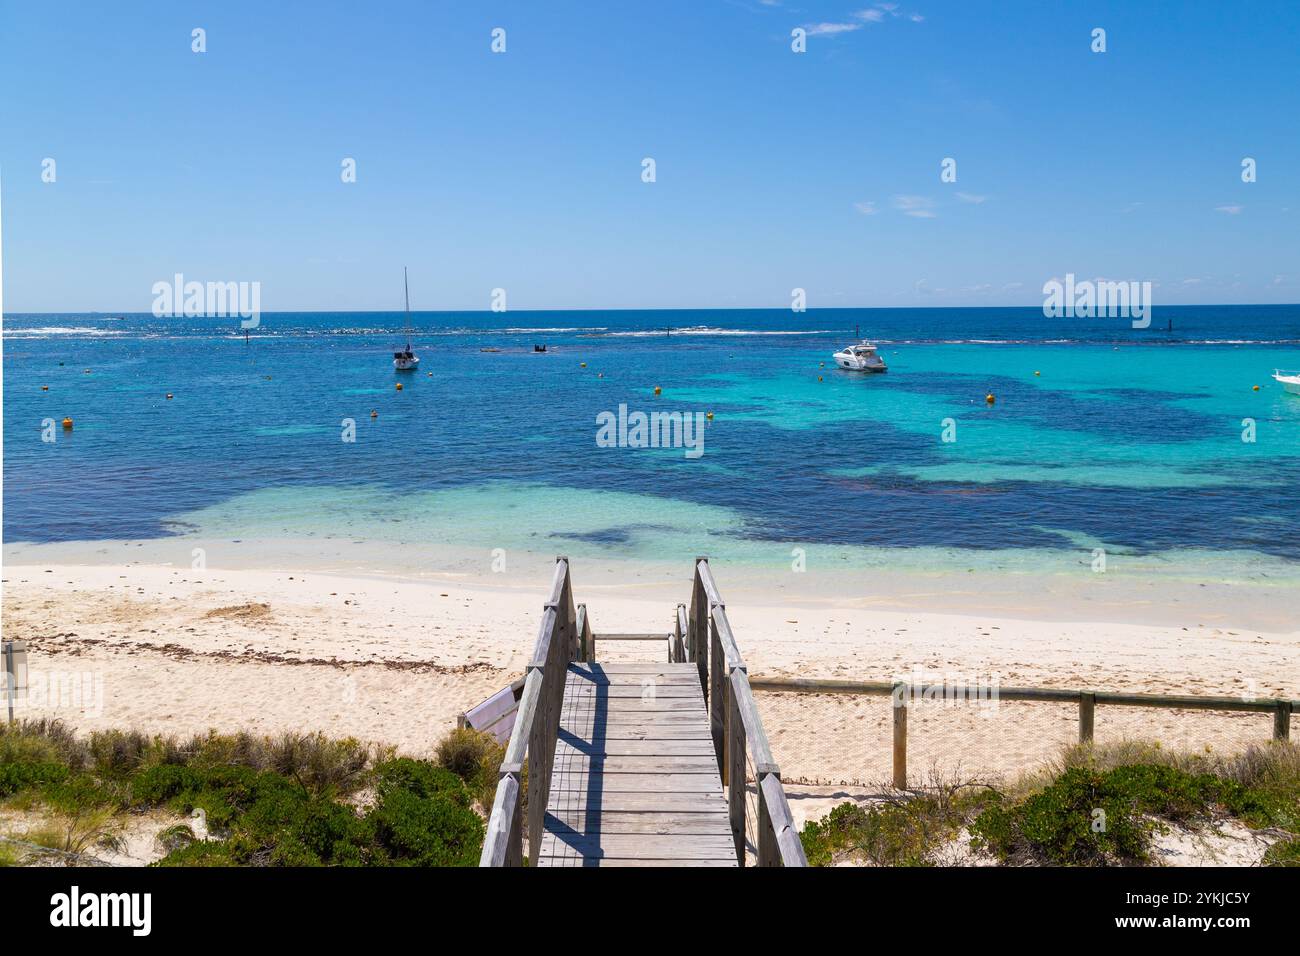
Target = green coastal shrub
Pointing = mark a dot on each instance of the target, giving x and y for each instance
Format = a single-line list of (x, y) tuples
[(266, 801), (1283, 853), (21, 775), (475, 757), (896, 833), (1088, 817), (436, 830)]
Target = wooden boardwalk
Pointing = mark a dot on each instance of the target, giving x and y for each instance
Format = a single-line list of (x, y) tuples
[(640, 763), (635, 779)]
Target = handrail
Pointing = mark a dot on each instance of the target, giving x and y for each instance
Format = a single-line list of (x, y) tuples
[(564, 635), (735, 724)]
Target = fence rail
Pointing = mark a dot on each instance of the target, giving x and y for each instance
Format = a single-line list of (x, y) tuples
[(564, 636), (702, 635), (1087, 700)]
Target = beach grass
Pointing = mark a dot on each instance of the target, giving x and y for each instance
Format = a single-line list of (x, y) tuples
[(247, 800), (1095, 806)]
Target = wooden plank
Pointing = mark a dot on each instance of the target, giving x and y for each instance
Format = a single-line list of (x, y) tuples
[(576, 861), (579, 695), (596, 782), (641, 846), (632, 710), (632, 679), (648, 821), (636, 801), (639, 763), (636, 732), (635, 748), (626, 667)]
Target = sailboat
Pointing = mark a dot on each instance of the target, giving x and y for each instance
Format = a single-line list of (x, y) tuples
[(406, 361)]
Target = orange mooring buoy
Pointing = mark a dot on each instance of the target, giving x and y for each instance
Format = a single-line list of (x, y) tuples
[(67, 424)]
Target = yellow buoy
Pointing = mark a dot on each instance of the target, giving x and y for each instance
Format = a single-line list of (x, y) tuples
[(1256, 388), (1038, 373), (582, 365), (819, 378), (709, 415), (399, 386), (990, 398), (658, 390), (67, 424)]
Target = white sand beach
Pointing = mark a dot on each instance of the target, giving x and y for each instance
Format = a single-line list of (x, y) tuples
[(394, 659)]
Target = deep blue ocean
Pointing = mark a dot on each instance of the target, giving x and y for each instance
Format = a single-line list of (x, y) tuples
[(1100, 435)]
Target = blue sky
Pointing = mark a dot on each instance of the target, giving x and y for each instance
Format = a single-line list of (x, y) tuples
[(522, 170)]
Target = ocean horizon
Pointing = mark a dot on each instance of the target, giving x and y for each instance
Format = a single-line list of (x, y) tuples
[(1101, 437)]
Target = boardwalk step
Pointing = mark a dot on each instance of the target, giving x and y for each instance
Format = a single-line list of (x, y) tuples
[(635, 779)]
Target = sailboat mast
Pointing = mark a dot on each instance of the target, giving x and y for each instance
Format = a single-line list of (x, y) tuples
[(406, 287)]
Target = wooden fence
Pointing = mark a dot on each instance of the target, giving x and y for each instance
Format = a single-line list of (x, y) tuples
[(1087, 701), (564, 636), (702, 635)]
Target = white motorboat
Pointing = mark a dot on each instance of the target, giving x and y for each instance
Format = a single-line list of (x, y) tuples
[(1288, 380), (860, 358), (406, 361)]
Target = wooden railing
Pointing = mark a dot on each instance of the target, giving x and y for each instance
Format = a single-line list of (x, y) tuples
[(702, 635), (564, 636), (902, 692)]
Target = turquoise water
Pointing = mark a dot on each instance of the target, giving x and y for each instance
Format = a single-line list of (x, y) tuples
[(1125, 440)]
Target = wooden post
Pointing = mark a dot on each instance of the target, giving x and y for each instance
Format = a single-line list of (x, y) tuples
[(1282, 721), (585, 650), (715, 698), (734, 778), (515, 844), (1087, 705), (900, 736), (700, 629), (769, 854), (538, 787)]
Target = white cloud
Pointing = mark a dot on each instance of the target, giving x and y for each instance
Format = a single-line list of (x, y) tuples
[(866, 208), (971, 198), (918, 207), (859, 18), (830, 29), (1231, 209)]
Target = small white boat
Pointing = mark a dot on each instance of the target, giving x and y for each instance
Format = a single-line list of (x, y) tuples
[(406, 361), (1288, 380), (860, 358)]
